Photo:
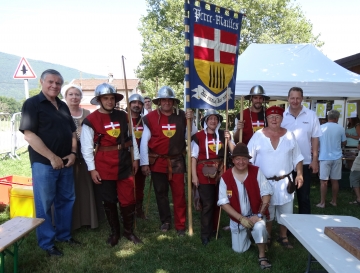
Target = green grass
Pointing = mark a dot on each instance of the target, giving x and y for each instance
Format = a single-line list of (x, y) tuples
[(160, 252)]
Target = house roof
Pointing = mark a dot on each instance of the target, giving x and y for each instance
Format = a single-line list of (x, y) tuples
[(90, 84), (350, 61)]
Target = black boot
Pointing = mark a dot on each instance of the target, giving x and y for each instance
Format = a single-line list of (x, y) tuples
[(128, 215), (139, 210), (112, 216)]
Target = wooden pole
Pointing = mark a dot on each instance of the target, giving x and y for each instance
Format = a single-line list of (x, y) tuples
[(130, 128), (225, 152), (188, 125), (241, 117)]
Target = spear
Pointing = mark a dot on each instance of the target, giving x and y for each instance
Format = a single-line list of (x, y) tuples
[(129, 122)]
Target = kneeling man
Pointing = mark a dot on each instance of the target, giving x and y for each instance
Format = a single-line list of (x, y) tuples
[(244, 193)]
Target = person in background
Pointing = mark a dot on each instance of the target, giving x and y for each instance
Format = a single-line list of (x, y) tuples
[(306, 127), (110, 165), (207, 158), (147, 105), (162, 156), (136, 103), (88, 210), (254, 116), (50, 131), (352, 132), (276, 152), (331, 141), (355, 178), (244, 193)]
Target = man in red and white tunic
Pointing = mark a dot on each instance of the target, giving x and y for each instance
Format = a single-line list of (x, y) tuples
[(136, 103), (163, 140), (244, 193), (111, 167), (253, 117)]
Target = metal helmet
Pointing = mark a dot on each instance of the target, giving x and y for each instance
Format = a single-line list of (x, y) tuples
[(136, 97), (209, 113), (165, 92), (105, 89), (257, 90)]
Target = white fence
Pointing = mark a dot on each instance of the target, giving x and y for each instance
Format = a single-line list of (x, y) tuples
[(11, 139)]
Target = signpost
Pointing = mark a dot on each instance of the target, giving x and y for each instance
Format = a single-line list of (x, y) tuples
[(24, 71)]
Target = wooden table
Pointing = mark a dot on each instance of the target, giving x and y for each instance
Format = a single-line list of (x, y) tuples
[(309, 230), (12, 232)]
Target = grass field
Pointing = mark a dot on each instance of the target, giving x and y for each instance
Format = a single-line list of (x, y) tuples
[(161, 252)]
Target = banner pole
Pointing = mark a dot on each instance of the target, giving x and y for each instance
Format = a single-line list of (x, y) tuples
[(188, 125)]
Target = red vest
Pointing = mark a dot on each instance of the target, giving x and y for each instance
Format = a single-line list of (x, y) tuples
[(113, 128), (168, 139), (257, 123), (138, 129), (252, 189), (199, 138)]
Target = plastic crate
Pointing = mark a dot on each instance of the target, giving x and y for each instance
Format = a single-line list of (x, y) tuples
[(6, 184), (22, 201)]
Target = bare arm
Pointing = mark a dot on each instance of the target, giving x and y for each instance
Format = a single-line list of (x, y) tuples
[(71, 157), (195, 179), (314, 165), (299, 174)]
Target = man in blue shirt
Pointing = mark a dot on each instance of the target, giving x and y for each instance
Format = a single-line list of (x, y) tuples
[(330, 157)]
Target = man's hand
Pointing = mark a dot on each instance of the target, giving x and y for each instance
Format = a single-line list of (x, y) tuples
[(135, 166), (56, 162), (70, 160), (146, 170), (189, 114), (95, 176), (246, 222), (314, 165), (254, 219), (240, 124), (299, 180)]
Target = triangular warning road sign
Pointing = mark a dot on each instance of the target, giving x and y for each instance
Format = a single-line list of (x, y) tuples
[(24, 70)]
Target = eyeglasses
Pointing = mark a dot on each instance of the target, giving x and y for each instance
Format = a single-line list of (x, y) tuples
[(276, 117)]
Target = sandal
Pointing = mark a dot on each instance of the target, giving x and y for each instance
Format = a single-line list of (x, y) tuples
[(281, 240), (264, 266), (165, 227), (356, 202)]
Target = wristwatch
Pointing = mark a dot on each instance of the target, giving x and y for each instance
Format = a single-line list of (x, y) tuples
[(260, 215)]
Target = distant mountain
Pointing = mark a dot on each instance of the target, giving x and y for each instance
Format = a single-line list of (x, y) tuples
[(10, 87)]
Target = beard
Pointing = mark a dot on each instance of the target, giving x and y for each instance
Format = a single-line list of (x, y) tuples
[(257, 106)]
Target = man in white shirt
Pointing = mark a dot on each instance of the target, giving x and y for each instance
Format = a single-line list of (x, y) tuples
[(306, 128)]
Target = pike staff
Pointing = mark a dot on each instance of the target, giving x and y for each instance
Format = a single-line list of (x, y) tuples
[(130, 128)]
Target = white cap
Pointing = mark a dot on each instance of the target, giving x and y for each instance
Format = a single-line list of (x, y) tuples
[(67, 87)]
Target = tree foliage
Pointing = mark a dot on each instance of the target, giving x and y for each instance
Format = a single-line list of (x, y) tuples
[(9, 105), (266, 21)]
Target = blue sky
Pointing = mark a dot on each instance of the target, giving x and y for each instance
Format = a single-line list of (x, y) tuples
[(93, 35)]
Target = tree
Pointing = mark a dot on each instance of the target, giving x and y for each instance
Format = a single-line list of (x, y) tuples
[(9, 105), (266, 21)]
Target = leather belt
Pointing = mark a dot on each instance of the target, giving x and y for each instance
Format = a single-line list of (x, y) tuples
[(115, 147), (278, 178), (210, 160)]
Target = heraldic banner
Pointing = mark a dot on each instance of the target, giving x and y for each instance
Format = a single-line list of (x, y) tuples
[(214, 34)]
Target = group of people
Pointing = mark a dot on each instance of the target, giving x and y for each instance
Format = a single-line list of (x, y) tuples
[(97, 162)]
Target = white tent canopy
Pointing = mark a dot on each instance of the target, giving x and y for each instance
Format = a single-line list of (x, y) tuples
[(278, 67)]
